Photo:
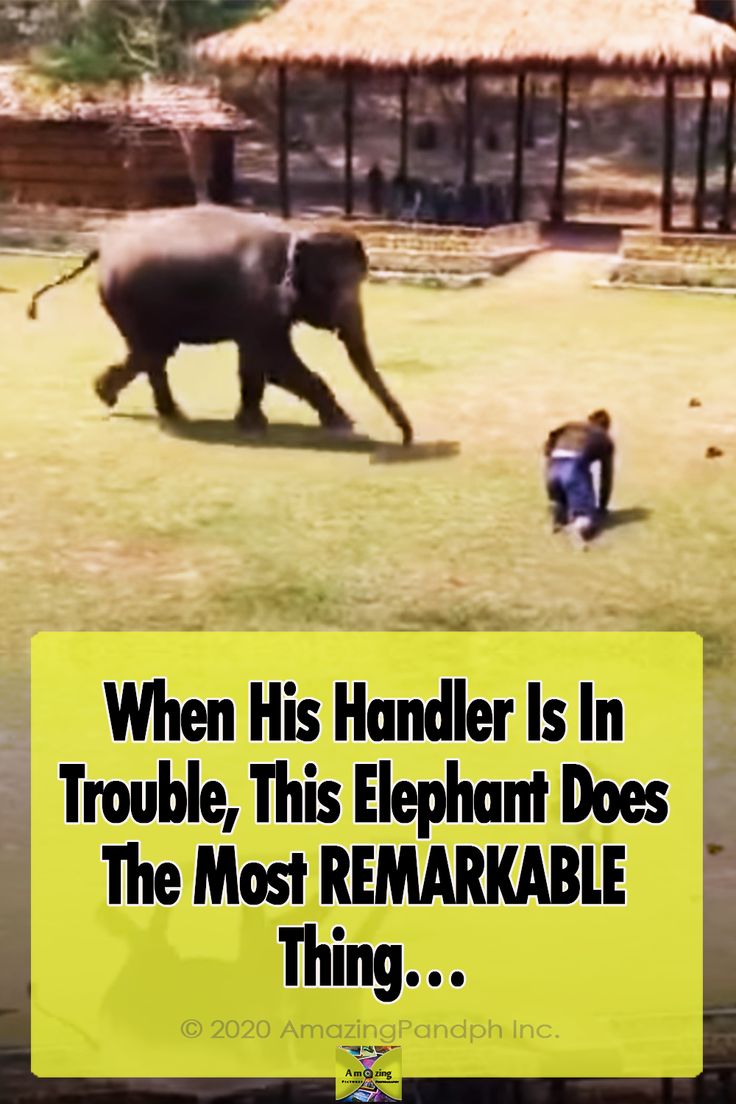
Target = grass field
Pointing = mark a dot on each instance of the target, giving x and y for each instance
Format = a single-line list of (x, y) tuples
[(109, 522)]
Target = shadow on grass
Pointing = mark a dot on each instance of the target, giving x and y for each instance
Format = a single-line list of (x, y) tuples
[(630, 516), (281, 435), (214, 431)]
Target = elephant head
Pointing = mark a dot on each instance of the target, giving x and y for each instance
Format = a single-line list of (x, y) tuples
[(327, 270)]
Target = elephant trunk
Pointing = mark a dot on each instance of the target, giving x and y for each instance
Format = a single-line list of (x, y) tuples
[(352, 334)]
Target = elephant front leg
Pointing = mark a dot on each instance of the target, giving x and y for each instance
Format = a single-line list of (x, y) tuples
[(250, 417), (290, 373)]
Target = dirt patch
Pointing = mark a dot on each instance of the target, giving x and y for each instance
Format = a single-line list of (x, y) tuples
[(133, 559)]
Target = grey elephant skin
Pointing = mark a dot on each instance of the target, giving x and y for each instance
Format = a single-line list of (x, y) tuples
[(208, 274)]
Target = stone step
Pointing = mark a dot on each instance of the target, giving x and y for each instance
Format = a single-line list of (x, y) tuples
[(652, 246), (427, 271), (673, 273), (419, 260)]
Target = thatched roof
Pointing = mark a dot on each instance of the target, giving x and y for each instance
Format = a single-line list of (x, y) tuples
[(144, 104), (492, 34)]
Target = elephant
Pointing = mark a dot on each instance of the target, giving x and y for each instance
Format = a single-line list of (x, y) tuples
[(211, 274)]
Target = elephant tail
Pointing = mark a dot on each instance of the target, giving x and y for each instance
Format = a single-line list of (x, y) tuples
[(88, 260)]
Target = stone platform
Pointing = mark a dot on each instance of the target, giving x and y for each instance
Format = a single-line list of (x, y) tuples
[(705, 262), (445, 256)]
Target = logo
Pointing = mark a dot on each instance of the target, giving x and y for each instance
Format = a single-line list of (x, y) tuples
[(368, 1074)]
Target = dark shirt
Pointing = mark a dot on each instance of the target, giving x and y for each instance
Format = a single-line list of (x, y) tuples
[(592, 444)]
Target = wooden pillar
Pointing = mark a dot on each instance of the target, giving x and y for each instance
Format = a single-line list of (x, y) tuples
[(282, 135), (469, 173), (530, 128), (725, 1078), (557, 210), (701, 175), (668, 152), (517, 202), (222, 168), (557, 1091), (725, 220), (134, 190), (348, 115), (404, 127)]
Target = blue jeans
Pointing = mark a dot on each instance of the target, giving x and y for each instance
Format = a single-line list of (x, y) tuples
[(570, 489)]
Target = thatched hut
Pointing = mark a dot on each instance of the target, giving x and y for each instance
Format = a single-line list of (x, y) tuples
[(473, 37), (153, 143)]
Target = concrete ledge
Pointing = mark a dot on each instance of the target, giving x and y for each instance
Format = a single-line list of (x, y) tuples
[(445, 256), (675, 260), (680, 289), (435, 276), (427, 279), (651, 245), (674, 274)]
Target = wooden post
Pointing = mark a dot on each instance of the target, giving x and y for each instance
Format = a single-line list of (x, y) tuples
[(668, 152), (530, 129), (222, 168), (519, 124), (701, 176), (282, 133), (557, 210), (725, 1078), (469, 174), (404, 127), (725, 220), (133, 186), (348, 115)]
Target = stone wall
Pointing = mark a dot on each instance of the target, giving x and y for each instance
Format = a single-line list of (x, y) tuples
[(92, 164), (652, 259), (445, 254)]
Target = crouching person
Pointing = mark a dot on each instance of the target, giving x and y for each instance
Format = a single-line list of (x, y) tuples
[(571, 451)]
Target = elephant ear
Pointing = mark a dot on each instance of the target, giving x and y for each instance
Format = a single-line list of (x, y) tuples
[(326, 261)]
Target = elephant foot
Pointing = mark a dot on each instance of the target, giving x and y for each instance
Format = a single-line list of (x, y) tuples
[(106, 390), (338, 425), (340, 433), (251, 421), (172, 414)]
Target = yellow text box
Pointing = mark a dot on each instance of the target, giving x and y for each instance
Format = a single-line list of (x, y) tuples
[(534, 989)]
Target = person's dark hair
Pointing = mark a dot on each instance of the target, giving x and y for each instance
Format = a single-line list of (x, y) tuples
[(600, 418)]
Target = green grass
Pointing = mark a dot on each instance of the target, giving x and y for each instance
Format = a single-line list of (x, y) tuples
[(108, 522)]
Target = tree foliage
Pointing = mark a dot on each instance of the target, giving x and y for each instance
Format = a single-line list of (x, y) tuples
[(102, 40)]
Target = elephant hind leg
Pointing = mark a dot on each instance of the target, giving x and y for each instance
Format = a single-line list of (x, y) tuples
[(153, 364), (162, 397), (112, 381)]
